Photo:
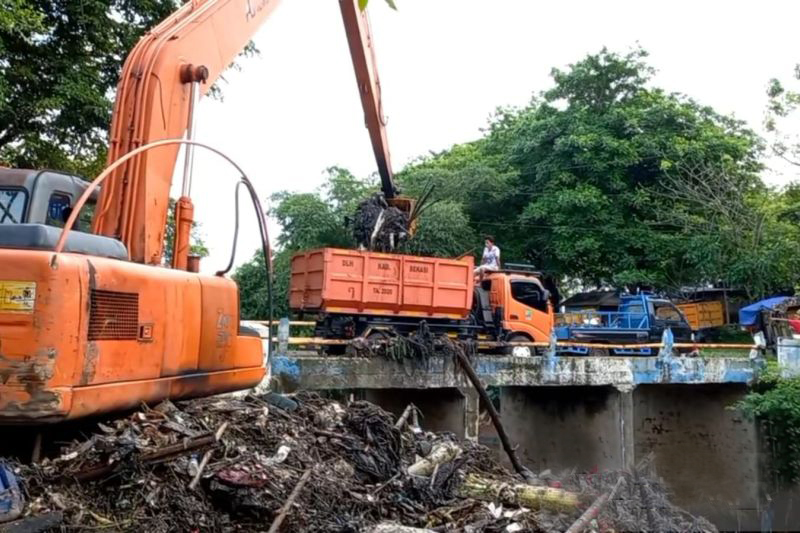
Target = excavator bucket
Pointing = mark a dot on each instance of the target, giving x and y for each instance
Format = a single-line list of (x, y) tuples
[(405, 204)]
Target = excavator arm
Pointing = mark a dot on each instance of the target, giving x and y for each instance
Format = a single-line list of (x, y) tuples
[(165, 73), (362, 52), (162, 79)]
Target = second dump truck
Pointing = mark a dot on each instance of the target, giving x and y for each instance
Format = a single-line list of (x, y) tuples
[(367, 294)]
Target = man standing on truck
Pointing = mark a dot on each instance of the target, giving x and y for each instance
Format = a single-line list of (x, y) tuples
[(491, 258)]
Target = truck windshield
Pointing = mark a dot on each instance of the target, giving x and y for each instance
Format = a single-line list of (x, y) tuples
[(13, 201), (530, 294)]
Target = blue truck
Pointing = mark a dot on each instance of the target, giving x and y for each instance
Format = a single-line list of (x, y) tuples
[(638, 319)]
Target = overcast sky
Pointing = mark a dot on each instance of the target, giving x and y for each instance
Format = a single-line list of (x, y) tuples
[(444, 66)]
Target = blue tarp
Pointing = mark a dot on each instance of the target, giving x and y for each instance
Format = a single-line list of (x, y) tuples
[(749, 315)]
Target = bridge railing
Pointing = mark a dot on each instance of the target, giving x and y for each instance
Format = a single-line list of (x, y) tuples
[(485, 344)]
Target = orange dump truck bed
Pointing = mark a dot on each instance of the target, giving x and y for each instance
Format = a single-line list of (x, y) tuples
[(702, 315), (354, 282)]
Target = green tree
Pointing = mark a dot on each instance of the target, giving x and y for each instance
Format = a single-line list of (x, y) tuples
[(775, 404), (589, 153), (737, 233), (59, 68), (784, 100), (60, 62), (573, 181)]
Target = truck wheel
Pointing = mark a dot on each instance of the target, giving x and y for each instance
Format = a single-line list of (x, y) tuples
[(519, 351), (599, 352)]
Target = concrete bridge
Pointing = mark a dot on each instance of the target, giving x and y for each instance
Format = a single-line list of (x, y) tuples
[(586, 413)]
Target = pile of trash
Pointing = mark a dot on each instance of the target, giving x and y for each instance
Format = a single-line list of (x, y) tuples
[(245, 464), (379, 227)]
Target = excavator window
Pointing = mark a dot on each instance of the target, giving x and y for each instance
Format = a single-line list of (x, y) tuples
[(530, 294), (58, 209), (13, 201)]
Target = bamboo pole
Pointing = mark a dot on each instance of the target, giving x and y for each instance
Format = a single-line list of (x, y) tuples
[(518, 494)]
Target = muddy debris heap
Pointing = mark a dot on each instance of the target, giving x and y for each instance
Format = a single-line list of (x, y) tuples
[(243, 464)]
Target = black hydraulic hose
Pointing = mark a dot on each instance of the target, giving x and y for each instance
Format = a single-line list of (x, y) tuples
[(265, 248), (235, 231)]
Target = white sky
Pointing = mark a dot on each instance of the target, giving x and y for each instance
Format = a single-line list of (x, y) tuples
[(444, 66)]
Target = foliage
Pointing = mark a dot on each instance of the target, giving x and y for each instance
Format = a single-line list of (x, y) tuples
[(783, 103), (775, 403), (362, 4), (59, 67), (576, 181), (736, 230), (601, 180)]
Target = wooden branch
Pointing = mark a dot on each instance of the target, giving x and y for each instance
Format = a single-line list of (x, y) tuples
[(290, 501), (404, 417), (206, 457), (594, 510), (167, 452), (390, 527), (34, 524), (494, 415)]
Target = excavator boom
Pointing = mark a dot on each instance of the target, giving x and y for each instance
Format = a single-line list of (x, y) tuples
[(194, 45), (362, 52)]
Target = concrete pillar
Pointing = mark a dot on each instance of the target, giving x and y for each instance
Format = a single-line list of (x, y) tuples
[(626, 425), (472, 412), (707, 453), (442, 409), (561, 428)]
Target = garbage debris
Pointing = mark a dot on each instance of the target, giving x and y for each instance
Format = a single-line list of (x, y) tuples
[(243, 464), (379, 227)]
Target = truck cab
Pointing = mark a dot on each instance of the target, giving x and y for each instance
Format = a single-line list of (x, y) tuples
[(516, 304)]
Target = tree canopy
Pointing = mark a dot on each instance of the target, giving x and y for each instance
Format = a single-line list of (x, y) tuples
[(601, 180), (59, 69)]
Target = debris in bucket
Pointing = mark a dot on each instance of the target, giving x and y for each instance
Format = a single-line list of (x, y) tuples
[(324, 466), (379, 227)]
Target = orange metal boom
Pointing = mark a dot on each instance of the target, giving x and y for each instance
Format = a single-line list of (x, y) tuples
[(154, 98), (362, 52)]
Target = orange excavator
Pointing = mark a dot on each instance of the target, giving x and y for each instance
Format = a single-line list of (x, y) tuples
[(90, 319)]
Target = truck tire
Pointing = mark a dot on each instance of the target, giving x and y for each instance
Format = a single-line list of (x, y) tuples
[(599, 352), (519, 351)]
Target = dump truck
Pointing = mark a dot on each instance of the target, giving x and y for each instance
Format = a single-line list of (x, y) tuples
[(639, 319), (365, 294)]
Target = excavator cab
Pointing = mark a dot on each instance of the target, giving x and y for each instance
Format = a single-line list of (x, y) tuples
[(34, 206), (42, 197)]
